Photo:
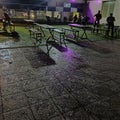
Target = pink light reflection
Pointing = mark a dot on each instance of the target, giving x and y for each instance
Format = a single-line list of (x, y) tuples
[(70, 55), (99, 1), (72, 0)]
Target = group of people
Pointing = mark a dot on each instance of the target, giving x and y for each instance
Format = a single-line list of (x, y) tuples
[(82, 19), (110, 22)]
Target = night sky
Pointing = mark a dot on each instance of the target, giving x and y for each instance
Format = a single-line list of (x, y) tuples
[(25, 1)]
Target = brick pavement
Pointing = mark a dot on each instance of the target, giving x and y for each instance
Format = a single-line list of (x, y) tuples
[(82, 84)]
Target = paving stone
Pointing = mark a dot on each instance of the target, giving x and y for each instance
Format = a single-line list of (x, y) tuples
[(66, 103), (0, 100), (30, 84), (113, 86), (44, 72), (58, 118), (85, 97), (48, 79), (114, 103), (1, 117), (37, 95), (9, 79), (22, 69), (102, 110), (101, 90), (26, 75), (4, 54), (5, 65), (45, 110), (56, 90), (7, 72), (14, 52), (19, 114), (14, 102), (79, 114), (19, 63), (0, 108), (72, 85), (10, 88)]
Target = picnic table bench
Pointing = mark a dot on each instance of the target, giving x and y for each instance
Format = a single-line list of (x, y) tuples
[(104, 31), (84, 28), (47, 34), (59, 35), (71, 33), (36, 34), (28, 23)]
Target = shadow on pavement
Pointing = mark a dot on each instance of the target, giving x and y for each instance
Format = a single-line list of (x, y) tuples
[(58, 46), (92, 45), (37, 57)]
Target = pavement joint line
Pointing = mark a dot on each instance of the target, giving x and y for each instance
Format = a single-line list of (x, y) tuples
[(55, 104), (30, 107), (27, 46), (16, 47)]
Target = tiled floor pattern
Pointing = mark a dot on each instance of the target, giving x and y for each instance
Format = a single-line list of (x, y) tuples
[(83, 84)]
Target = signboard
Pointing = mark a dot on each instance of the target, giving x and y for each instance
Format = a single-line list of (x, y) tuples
[(60, 9), (67, 4), (73, 9)]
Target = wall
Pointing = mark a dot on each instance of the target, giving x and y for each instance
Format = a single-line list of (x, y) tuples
[(96, 5), (116, 12), (64, 11), (57, 2)]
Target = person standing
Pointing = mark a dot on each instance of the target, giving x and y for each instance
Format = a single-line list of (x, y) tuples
[(85, 19), (110, 21), (98, 17), (6, 21), (75, 18)]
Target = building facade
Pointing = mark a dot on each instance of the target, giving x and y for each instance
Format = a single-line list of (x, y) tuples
[(39, 9)]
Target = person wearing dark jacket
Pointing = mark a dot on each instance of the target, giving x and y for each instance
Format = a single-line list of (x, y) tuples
[(98, 17), (75, 18), (110, 21), (6, 21)]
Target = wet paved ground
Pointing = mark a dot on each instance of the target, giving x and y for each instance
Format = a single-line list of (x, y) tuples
[(82, 83)]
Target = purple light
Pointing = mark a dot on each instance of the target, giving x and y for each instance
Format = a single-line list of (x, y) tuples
[(90, 15), (70, 55), (99, 1), (72, 0)]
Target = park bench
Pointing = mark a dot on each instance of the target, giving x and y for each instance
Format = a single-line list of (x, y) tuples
[(36, 34), (104, 31), (71, 33), (59, 35)]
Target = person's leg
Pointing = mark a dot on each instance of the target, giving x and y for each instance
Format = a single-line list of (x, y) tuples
[(112, 30), (4, 26), (108, 30), (94, 26), (10, 26), (97, 27)]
